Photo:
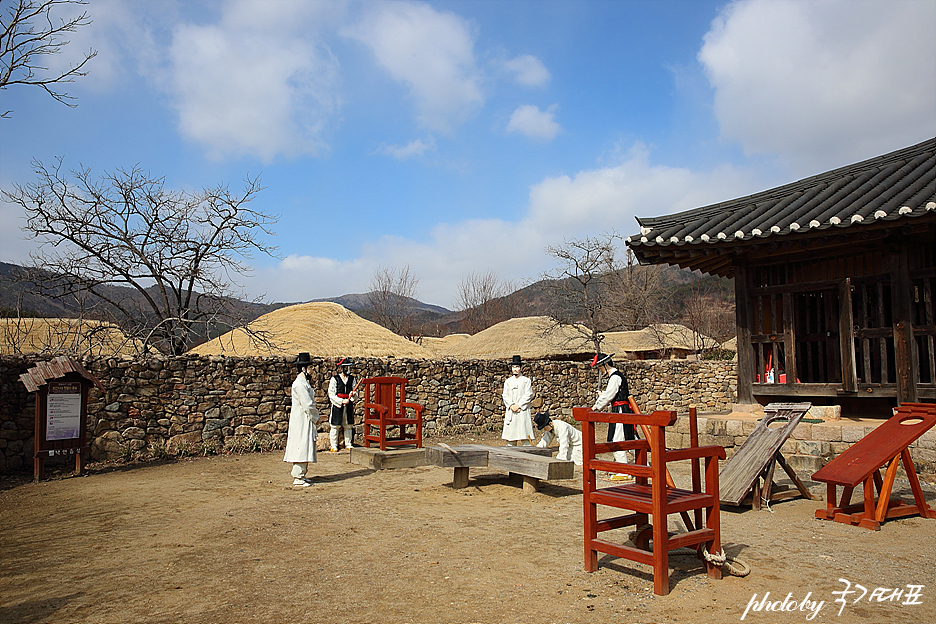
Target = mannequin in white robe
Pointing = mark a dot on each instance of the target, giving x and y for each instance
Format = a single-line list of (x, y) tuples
[(570, 440), (302, 434), (518, 392)]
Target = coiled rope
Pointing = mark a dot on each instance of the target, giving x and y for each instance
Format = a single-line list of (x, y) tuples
[(734, 566)]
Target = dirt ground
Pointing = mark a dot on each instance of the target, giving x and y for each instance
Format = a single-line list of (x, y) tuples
[(228, 539)]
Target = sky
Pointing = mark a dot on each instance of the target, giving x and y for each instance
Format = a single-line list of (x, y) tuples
[(463, 137)]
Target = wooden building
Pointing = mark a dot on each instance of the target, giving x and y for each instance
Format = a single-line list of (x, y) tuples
[(835, 280)]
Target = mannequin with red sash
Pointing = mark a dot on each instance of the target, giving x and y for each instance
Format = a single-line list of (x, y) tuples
[(615, 394), (341, 396)]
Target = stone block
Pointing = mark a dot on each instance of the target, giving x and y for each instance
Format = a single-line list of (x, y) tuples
[(827, 433), (825, 412), (734, 428), (852, 434), (803, 431), (789, 447), (805, 463), (814, 447)]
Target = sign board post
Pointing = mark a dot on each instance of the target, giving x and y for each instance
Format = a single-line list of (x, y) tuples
[(61, 386)]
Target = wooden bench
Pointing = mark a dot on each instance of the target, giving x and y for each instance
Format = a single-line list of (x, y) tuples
[(534, 464), (649, 497), (749, 474), (886, 445)]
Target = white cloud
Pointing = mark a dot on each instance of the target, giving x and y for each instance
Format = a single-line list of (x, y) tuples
[(527, 70), (429, 51), (414, 149), (257, 82), (823, 83), (561, 207), (610, 197), (530, 121)]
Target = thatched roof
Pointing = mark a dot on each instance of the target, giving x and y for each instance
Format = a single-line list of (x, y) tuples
[(662, 336), (526, 337), (441, 346), (323, 329), (64, 335)]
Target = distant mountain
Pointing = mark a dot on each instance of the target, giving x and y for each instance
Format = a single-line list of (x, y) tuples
[(356, 302)]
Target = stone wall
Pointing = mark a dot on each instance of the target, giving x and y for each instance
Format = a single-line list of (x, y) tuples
[(194, 400)]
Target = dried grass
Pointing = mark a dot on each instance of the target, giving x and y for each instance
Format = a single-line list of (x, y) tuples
[(527, 337), (322, 329), (49, 336)]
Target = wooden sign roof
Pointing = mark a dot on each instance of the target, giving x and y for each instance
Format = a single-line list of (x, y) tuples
[(56, 368)]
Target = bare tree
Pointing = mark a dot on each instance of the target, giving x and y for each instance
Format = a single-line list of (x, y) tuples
[(484, 300), (391, 296), (710, 317), (29, 32), (177, 251), (593, 290)]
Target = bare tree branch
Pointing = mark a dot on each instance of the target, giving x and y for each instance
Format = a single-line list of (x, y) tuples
[(593, 291), (29, 32), (484, 300), (177, 251), (391, 295)]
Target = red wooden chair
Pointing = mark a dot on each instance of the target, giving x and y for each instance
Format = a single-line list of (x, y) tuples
[(649, 497), (385, 407)]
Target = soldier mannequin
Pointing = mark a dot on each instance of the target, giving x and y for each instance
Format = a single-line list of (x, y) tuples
[(341, 396)]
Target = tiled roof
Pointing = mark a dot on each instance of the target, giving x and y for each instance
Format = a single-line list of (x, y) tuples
[(895, 187)]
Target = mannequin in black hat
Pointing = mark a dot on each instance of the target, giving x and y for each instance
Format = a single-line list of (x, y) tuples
[(302, 435), (518, 392), (570, 438), (616, 393), (341, 395)]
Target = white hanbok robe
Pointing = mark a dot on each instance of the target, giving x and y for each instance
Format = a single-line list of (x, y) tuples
[(302, 434), (518, 426), (570, 441)]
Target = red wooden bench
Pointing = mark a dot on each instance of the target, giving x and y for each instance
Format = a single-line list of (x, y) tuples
[(649, 497), (862, 463), (385, 408)]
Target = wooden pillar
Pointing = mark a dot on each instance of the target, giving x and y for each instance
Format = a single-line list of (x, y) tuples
[(901, 296), (743, 320), (847, 338)]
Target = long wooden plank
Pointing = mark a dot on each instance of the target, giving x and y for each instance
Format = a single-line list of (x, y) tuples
[(758, 450), (530, 465), (464, 456)]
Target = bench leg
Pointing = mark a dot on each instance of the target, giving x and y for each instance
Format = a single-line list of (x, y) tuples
[(530, 484), (461, 477)]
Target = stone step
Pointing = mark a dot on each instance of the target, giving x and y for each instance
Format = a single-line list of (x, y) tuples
[(805, 464)]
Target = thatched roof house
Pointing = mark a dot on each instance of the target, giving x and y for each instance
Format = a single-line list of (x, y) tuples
[(441, 346), (49, 336), (663, 340), (323, 329), (529, 337)]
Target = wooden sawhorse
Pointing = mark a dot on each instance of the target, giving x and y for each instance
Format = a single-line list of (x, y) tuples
[(886, 445)]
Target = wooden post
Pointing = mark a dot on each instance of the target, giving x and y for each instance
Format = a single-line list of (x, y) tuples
[(743, 320)]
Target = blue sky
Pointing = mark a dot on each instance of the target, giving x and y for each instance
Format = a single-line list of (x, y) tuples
[(466, 136)]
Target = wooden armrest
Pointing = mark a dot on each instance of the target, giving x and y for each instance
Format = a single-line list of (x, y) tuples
[(376, 406), (416, 406), (695, 452)]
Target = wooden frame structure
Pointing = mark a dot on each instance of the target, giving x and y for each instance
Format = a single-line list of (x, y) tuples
[(61, 386), (749, 474), (887, 445), (835, 280), (649, 497), (385, 407)]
